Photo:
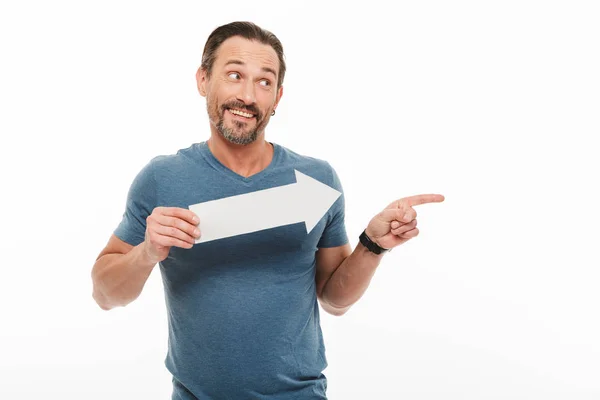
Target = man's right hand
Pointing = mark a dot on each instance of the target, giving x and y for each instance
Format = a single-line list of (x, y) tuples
[(167, 227)]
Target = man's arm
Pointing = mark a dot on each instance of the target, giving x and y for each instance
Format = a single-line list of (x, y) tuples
[(120, 273), (121, 270), (342, 279), (343, 276)]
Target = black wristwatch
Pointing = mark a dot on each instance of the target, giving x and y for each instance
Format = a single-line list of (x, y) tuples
[(371, 245)]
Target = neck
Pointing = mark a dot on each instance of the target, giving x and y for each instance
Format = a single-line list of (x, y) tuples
[(244, 160)]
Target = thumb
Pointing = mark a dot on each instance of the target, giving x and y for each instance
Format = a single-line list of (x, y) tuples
[(398, 214)]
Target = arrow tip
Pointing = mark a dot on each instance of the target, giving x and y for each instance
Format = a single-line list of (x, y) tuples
[(319, 198)]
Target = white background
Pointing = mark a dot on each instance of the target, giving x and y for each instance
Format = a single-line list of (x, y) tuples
[(493, 104)]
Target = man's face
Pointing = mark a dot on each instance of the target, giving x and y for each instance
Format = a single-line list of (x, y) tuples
[(242, 90)]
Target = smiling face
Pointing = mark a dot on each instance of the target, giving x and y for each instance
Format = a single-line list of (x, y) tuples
[(242, 91)]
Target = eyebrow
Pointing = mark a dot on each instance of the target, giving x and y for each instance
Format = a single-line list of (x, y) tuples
[(238, 62)]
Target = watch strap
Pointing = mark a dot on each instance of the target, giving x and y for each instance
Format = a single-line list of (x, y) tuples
[(369, 244)]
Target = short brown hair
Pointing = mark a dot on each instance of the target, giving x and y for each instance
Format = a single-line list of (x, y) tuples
[(246, 30)]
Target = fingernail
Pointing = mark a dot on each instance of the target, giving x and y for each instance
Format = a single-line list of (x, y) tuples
[(407, 218), (195, 219), (197, 232)]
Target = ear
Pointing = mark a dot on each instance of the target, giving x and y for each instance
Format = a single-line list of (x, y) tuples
[(201, 79), (279, 94)]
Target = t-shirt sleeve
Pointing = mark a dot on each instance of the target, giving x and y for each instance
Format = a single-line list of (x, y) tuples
[(141, 200), (335, 231)]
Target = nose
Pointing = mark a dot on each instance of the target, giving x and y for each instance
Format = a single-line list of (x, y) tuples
[(247, 93)]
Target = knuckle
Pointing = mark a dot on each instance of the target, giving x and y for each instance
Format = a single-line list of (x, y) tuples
[(183, 226), (153, 238)]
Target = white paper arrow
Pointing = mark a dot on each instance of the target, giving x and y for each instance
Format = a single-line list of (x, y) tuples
[(306, 200)]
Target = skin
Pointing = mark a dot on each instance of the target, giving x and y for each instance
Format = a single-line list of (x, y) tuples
[(344, 275), (397, 223), (244, 78)]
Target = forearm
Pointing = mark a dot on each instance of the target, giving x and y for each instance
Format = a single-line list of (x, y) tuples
[(119, 278), (352, 278)]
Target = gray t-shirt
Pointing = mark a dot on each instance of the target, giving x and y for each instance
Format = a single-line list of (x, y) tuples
[(242, 311)]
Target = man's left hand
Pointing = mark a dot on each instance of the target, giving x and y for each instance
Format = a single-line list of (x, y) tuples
[(397, 223)]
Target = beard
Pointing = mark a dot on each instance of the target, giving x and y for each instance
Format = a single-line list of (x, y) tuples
[(237, 132)]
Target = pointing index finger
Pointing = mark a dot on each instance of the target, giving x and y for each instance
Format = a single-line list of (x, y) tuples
[(423, 199)]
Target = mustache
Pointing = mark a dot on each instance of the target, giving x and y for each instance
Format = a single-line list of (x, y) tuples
[(251, 108)]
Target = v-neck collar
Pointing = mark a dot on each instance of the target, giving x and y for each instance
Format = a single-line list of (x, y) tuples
[(214, 161)]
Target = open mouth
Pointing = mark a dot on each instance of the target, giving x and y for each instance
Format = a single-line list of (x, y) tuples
[(239, 113)]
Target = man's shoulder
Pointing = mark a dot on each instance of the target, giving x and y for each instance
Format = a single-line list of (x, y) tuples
[(297, 158), (181, 158), (317, 168)]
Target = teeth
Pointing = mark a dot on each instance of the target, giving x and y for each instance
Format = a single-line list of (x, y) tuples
[(243, 114)]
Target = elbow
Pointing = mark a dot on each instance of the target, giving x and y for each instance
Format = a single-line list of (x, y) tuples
[(99, 297), (333, 309), (338, 312), (101, 301), (108, 298), (107, 303), (104, 307)]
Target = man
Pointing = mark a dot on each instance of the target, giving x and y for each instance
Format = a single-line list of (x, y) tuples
[(242, 310)]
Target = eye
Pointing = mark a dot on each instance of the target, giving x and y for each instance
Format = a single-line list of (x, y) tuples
[(265, 82), (234, 75)]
